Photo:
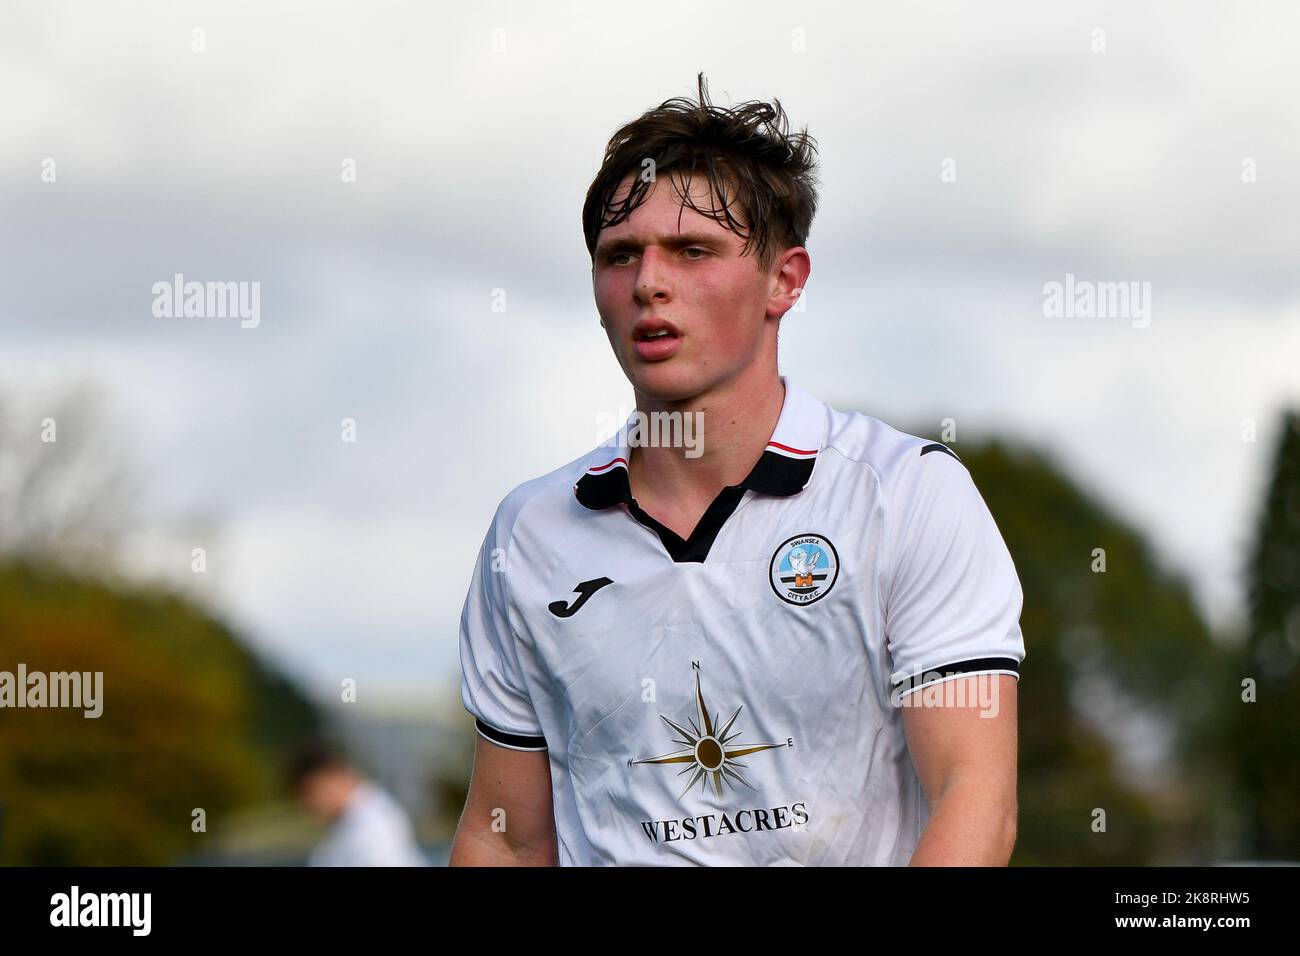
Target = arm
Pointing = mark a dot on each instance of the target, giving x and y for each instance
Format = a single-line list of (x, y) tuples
[(508, 818), (965, 758), (952, 613)]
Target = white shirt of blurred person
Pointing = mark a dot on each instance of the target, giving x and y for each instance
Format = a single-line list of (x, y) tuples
[(369, 827)]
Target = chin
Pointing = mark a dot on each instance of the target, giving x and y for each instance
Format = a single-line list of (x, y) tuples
[(669, 381)]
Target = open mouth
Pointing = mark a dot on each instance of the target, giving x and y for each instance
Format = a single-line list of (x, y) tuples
[(655, 340), (652, 328)]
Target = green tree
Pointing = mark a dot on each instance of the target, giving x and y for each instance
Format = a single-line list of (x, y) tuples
[(1099, 645), (1263, 743), (190, 721)]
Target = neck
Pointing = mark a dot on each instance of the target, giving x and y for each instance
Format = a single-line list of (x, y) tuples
[(732, 425)]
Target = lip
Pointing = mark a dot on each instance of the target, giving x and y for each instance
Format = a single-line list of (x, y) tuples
[(646, 326), (658, 349)]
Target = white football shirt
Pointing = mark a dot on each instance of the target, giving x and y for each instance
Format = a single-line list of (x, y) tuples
[(373, 830), (731, 699)]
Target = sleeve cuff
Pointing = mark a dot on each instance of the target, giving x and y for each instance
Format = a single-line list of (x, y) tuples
[(511, 741), (924, 677)]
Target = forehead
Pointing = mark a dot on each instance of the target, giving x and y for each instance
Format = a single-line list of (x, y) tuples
[(664, 211)]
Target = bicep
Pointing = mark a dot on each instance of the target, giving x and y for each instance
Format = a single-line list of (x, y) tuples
[(974, 743), (509, 806)]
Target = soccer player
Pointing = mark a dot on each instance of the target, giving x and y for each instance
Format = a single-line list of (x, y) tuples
[(749, 629)]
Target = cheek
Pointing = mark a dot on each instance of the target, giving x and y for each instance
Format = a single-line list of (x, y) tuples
[(732, 338), (610, 298), (600, 292), (726, 300)]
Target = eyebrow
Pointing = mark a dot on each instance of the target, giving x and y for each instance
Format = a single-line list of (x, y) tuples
[(633, 243)]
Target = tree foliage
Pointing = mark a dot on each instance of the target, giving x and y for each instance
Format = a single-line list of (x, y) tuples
[(190, 721), (1100, 645)]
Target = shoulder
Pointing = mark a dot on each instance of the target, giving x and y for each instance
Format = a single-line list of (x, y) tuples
[(897, 458), (377, 805), (545, 496)]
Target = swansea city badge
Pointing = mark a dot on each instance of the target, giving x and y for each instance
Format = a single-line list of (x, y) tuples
[(804, 569)]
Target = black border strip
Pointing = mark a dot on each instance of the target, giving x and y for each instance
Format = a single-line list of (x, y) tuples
[(930, 675), (514, 741), (936, 446)]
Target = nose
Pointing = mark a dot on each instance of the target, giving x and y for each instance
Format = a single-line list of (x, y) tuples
[(652, 278)]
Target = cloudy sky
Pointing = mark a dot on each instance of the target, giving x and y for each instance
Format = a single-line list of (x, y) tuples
[(1156, 145)]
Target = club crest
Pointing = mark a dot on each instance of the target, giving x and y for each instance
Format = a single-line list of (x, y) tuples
[(804, 569)]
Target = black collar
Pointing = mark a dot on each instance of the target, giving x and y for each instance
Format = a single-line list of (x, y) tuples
[(774, 474), (785, 468)]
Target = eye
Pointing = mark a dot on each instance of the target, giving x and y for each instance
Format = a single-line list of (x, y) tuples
[(617, 255), (703, 252)]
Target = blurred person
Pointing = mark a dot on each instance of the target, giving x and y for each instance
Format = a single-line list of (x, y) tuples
[(367, 826)]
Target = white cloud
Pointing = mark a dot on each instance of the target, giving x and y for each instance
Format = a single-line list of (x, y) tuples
[(472, 166)]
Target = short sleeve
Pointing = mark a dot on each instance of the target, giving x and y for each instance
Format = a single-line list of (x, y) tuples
[(492, 684), (953, 598)]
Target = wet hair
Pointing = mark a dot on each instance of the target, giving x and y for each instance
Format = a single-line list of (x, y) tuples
[(751, 160)]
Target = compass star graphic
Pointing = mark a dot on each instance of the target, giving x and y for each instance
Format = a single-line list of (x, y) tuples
[(707, 754)]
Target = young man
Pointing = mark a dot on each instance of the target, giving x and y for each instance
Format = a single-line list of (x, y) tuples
[(710, 651)]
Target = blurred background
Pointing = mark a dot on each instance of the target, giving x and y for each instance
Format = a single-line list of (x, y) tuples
[(261, 530)]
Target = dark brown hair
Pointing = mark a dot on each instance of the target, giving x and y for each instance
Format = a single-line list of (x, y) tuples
[(313, 756), (751, 160)]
